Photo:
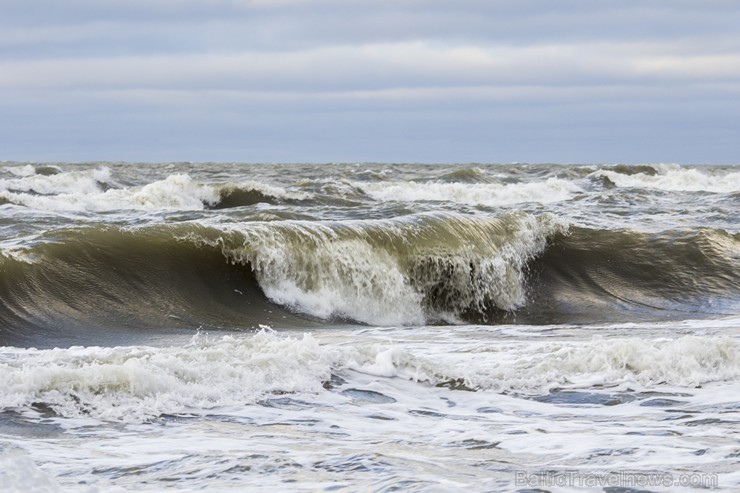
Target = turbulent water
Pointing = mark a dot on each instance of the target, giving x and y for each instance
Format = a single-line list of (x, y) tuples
[(236, 327)]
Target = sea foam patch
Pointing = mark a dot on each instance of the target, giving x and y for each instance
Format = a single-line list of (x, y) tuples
[(138, 383), (19, 473), (541, 366)]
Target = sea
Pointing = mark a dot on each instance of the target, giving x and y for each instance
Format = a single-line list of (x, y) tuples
[(369, 327)]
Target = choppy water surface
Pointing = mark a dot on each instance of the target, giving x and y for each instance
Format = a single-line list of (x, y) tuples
[(369, 327)]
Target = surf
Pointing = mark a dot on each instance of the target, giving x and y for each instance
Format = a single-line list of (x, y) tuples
[(444, 268)]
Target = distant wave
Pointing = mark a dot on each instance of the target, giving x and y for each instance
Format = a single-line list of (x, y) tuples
[(490, 194), (671, 178), (422, 268), (465, 174), (95, 190), (252, 192), (46, 184)]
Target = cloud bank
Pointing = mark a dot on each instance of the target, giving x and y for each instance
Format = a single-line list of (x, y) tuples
[(318, 81)]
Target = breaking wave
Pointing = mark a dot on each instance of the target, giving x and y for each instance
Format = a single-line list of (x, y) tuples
[(423, 268), (420, 268)]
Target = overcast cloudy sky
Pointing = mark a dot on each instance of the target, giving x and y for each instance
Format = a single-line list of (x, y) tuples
[(370, 80)]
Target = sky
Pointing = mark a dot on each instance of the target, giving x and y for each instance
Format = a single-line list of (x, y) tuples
[(454, 81)]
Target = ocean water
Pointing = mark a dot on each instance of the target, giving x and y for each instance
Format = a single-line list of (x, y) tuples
[(360, 327)]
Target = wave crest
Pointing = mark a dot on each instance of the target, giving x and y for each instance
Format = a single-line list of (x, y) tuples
[(403, 271), (487, 194)]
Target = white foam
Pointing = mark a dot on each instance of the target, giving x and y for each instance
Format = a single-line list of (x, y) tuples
[(176, 192), (135, 383), (384, 422), (24, 170), (19, 474), (535, 366), (379, 272), (488, 194), (346, 278), (75, 182), (674, 178)]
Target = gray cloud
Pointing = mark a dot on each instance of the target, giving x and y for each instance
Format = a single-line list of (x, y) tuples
[(377, 66), (302, 80)]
